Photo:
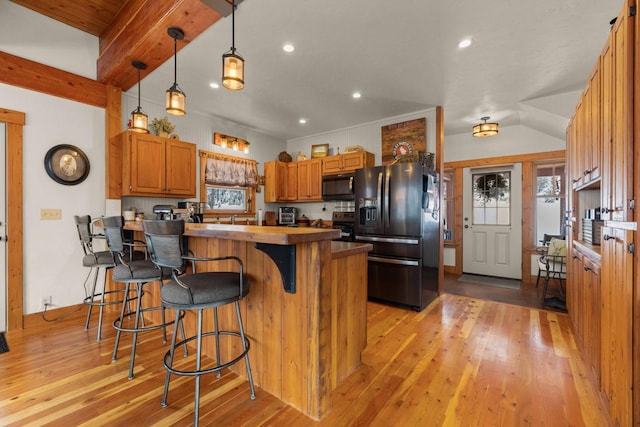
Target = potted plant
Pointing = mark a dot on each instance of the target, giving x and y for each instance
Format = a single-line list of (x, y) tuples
[(162, 127)]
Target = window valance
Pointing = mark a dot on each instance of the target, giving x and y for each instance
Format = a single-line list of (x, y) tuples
[(229, 170)]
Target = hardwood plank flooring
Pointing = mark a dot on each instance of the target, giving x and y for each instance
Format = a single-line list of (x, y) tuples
[(462, 361)]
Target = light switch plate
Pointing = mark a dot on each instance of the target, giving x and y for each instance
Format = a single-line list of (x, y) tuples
[(51, 214)]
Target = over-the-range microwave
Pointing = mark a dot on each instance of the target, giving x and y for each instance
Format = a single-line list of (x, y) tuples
[(338, 187)]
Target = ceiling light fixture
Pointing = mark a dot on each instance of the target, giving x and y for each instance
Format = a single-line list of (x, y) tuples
[(302, 121), (464, 43), (175, 98), (288, 47), (214, 85), (139, 120), (483, 130), (232, 62), (356, 95)]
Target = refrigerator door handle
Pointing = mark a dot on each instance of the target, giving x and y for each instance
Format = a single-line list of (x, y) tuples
[(387, 208), (394, 261), (387, 239)]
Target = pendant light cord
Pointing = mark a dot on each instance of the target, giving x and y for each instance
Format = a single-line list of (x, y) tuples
[(138, 87), (233, 26), (175, 61)]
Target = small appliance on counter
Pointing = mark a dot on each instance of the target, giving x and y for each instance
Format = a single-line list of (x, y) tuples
[(196, 210), (286, 216), (163, 211)]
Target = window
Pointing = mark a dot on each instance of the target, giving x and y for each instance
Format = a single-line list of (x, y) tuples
[(550, 199), (491, 198)]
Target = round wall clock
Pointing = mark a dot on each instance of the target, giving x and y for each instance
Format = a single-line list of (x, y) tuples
[(66, 164)]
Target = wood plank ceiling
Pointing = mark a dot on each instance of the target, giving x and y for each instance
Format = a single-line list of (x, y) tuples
[(131, 30)]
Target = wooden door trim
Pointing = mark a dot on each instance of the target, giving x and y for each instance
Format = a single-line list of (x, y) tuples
[(15, 121)]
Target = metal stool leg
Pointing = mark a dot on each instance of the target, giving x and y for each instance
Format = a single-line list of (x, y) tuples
[(171, 353), (136, 325), (196, 413), (120, 321), (89, 299), (217, 334), (244, 347)]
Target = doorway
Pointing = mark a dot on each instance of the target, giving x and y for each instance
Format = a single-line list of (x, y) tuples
[(492, 221)]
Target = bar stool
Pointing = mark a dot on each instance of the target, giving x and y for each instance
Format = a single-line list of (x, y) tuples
[(196, 291), (96, 261), (134, 273)]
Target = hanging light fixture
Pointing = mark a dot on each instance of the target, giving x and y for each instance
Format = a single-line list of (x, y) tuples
[(485, 129), (175, 97), (139, 120), (232, 62)]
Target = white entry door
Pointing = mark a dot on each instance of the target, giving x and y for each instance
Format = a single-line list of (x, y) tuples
[(492, 221), (3, 229)]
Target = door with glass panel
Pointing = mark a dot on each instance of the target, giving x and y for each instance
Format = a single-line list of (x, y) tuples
[(492, 221)]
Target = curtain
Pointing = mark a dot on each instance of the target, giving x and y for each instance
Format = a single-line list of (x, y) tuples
[(227, 170)]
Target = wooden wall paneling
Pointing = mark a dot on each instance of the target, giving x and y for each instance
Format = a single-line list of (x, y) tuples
[(457, 230), (15, 121), (113, 145), (636, 219)]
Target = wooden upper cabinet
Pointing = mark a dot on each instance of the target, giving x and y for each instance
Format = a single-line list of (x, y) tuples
[(348, 162), (310, 180), (156, 166), (291, 191), (606, 130), (592, 163), (275, 181)]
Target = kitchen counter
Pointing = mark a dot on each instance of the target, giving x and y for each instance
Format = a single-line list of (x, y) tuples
[(303, 343)]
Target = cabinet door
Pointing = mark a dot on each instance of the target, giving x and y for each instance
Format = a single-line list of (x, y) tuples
[(310, 180), (180, 168), (291, 192), (606, 97), (332, 165), (275, 181), (622, 116), (617, 324), (592, 313), (146, 169), (595, 140), (577, 178), (352, 161)]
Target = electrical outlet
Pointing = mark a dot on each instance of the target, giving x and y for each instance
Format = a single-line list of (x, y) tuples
[(44, 302)]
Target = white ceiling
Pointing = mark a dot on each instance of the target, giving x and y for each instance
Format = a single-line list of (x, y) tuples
[(527, 64)]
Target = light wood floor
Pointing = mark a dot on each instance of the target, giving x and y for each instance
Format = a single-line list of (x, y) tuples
[(463, 361)]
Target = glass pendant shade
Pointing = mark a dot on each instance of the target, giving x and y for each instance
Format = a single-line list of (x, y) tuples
[(139, 120), (232, 70), (175, 99), (485, 129)]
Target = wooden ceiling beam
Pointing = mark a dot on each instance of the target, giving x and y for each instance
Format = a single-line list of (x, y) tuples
[(139, 32)]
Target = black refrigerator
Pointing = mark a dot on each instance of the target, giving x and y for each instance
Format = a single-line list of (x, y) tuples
[(397, 211)]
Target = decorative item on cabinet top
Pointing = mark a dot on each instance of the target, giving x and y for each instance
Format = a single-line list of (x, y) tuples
[(162, 127), (231, 142), (319, 150)]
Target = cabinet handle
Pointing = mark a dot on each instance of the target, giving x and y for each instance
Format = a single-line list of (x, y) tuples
[(607, 237), (607, 210), (587, 268), (576, 180), (587, 172)]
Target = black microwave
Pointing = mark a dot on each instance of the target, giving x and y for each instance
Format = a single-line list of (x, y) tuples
[(338, 187)]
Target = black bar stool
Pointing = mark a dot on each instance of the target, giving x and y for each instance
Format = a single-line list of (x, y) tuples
[(134, 273), (196, 291), (96, 261)]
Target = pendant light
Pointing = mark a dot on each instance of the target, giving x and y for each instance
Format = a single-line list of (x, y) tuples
[(175, 97), (139, 120), (485, 129), (232, 62)]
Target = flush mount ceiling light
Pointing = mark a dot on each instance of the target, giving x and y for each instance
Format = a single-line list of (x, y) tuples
[(485, 129), (232, 62), (175, 98), (139, 120)]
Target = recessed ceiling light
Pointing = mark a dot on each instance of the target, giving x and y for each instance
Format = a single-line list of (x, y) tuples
[(302, 121), (464, 43), (356, 95), (214, 85), (288, 47)]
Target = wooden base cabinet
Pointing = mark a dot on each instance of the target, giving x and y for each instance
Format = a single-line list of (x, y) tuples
[(157, 166)]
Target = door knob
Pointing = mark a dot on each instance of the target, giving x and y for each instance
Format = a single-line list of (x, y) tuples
[(466, 226)]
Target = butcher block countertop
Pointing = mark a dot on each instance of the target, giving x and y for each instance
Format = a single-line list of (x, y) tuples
[(253, 233)]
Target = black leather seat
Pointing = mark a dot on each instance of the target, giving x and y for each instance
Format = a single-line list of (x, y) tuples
[(134, 270), (196, 291)]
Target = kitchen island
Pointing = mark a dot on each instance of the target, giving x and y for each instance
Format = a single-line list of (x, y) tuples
[(305, 340)]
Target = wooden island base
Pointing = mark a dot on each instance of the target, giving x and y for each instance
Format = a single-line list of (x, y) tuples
[(303, 344)]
